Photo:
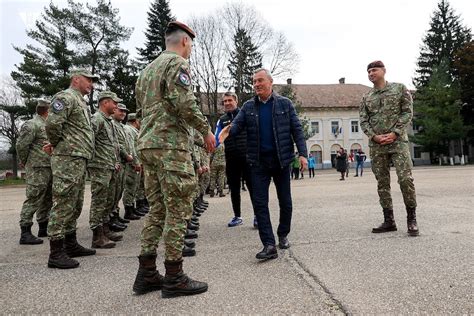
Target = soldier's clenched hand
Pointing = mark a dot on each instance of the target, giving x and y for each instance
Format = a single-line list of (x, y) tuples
[(210, 142)]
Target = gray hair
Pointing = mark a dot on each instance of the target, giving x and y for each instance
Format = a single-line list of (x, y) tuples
[(267, 72), (174, 37), (231, 94)]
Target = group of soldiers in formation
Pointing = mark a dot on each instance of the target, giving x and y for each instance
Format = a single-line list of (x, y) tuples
[(158, 163)]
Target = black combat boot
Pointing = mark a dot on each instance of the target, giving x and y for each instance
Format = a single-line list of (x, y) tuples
[(129, 213), (74, 249), (211, 194), (189, 243), (148, 279), (221, 194), (99, 240), (120, 219), (194, 222), (58, 257), (177, 283), (202, 201), (192, 226), (146, 205), (110, 234), (141, 207), (188, 251), (198, 209), (190, 234), (411, 222), (115, 225), (389, 223), (43, 229), (27, 238)]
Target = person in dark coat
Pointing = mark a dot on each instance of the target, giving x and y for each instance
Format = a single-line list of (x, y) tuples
[(341, 163)]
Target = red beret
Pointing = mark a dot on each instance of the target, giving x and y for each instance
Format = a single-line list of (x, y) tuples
[(376, 64), (176, 25)]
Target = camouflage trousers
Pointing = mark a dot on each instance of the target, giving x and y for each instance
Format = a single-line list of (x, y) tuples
[(119, 186), (39, 195), (141, 187), (401, 159), (69, 179), (103, 183), (204, 180), (132, 181), (217, 176), (169, 187)]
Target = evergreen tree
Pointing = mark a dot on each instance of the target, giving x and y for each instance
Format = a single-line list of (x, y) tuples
[(123, 79), (437, 106), (464, 65), (243, 62), (43, 71), (159, 16), (444, 38)]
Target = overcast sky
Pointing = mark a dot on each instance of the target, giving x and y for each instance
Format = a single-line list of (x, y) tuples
[(333, 38)]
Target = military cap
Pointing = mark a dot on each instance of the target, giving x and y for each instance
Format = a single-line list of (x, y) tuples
[(43, 103), (132, 117), (176, 25), (109, 94), (376, 64), (122, 107), (83, 72)]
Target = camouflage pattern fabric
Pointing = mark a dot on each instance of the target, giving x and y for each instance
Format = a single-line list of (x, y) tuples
[(218, 169), (29, 147), (30, 142), (141, 187), (103, 195), (69, 175), (169, 184), (205, 178), (119, 181), (68, 125), (125, 143), (382, 111), (106, 145), (167, 105), (132, 178), (39, 197)]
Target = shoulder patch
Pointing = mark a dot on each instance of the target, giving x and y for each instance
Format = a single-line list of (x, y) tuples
[(57, 105), (183, 78)]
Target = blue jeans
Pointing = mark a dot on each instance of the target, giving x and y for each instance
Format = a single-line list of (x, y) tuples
[(261, 175), (361, 165)]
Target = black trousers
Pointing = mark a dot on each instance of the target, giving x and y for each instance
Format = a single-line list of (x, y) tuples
[(236, 170)]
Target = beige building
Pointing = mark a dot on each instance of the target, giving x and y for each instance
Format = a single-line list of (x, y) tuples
[(333, 110)]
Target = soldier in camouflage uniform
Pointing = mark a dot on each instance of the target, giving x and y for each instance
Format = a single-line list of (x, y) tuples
[(71, 138), (126, 159), (104, 171), (39, 178), (385, 112), (132, 170), (168, 110), (218, 171)]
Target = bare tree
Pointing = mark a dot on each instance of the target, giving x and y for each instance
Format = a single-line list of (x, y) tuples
[(12, 110), (281, 58), (208, 61)]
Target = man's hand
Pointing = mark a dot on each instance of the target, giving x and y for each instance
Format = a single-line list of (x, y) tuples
[(48, 148), (117, 166), (303, 163), (210, 142), (205, 169), (224, 133), (200, 171), (129, 158), (137, 168), (389, 138)]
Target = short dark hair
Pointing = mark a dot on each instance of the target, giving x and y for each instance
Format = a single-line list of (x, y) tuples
[(41, 110), (231, 94)]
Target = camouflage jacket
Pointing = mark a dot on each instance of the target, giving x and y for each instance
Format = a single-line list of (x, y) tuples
[(132, 134), (126, 146), (106, 142), (167, 105), (30, 142), (68, 125), (218, 157), (386, 110)]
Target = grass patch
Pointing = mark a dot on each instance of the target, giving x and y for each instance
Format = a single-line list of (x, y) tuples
[(11, 182)]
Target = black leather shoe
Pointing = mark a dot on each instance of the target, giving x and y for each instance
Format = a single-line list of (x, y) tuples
[(194, 222), (188, 252), (268, 252), (115, 227), (283, 243), (192, 226), (189, 243)]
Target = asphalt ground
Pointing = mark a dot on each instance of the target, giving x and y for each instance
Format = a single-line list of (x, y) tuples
[(335, 264)]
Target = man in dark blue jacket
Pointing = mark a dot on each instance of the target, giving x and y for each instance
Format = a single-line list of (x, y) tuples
[(272, 128)]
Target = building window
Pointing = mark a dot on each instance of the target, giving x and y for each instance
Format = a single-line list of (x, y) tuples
[(355, 126), (315, 127), (335, 128), (417, 151)]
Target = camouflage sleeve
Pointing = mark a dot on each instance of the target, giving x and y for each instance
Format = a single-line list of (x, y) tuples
[(24, 141), (364, 119), (58, 114), (406, 112), (182, 97)]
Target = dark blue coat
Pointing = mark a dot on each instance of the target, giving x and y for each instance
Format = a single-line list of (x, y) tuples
[(287, 130)]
